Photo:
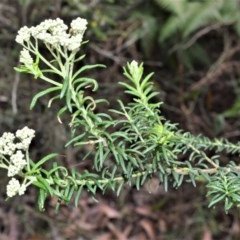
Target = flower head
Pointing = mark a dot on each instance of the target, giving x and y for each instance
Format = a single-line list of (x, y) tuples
[(22, 189), (7, 145), (78, 26), (9, 142), (25, 132), (53, 32), (23, 35), (50, 31), (17, 163), (72, 43), (135, 69), (25, 58), (25, 135), (14, 187), (134, 66)]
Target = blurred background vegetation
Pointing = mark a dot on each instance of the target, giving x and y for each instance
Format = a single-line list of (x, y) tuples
[(194, 49)]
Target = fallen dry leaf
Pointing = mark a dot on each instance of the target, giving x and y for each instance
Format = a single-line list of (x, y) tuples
[(121, 235), (207, 235), (109, 211), (148, 227), (145, 211), (105, 236)]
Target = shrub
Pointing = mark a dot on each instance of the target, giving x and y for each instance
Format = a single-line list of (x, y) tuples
[(128, 145)]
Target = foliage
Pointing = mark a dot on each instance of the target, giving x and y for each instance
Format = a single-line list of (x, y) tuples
[(179, 25), (127, 145), (190, 20)]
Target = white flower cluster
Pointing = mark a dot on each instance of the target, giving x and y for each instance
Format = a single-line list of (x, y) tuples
[(12, 147), (7, 146), (9, 142), (24, 35), (25, 57), (25, 136), (14, 187), (78, 26), (17, 163), (54, 33)]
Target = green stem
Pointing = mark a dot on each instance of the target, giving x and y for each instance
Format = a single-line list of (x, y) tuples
[(34, 50), (50, 81), (182, 171)]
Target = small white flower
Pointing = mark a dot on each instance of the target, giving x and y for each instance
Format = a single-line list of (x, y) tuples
[(25, 133), (18, 160), (50, 32), (57, 27), (17, 156), (12, 170), (79, 26), (25, 57), (13, 187), (136, 70), (134, 65), (7, 146), (75, 42), (24, 144), (23, 35), (22, 189), (17, 163), (8, 137)]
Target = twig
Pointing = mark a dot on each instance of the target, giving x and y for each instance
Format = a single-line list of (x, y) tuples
[(214, 69), (198, 35), (14, 92), (186, 171), (121, 60)]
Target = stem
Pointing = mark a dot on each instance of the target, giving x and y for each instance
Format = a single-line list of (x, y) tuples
[(204, 155), (34, 50), (183, 171), (3, 166), (28, 161), (50, 81)]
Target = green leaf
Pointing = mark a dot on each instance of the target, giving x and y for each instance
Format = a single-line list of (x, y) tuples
[(42, 93), (78, 195), (65, 87), (120, 186), (131, 91), (145, 81), (216, 199), (45, 183), (87, 67), (85, 82), (41, 199), (43, 160), (69, 100), (80, 58)]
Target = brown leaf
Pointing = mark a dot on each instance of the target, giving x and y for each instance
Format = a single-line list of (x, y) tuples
[(148, 227), (121, 235), (105, 236), (87, 226), (145, 211), (109, 211), (207, 235), (139, 236)]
